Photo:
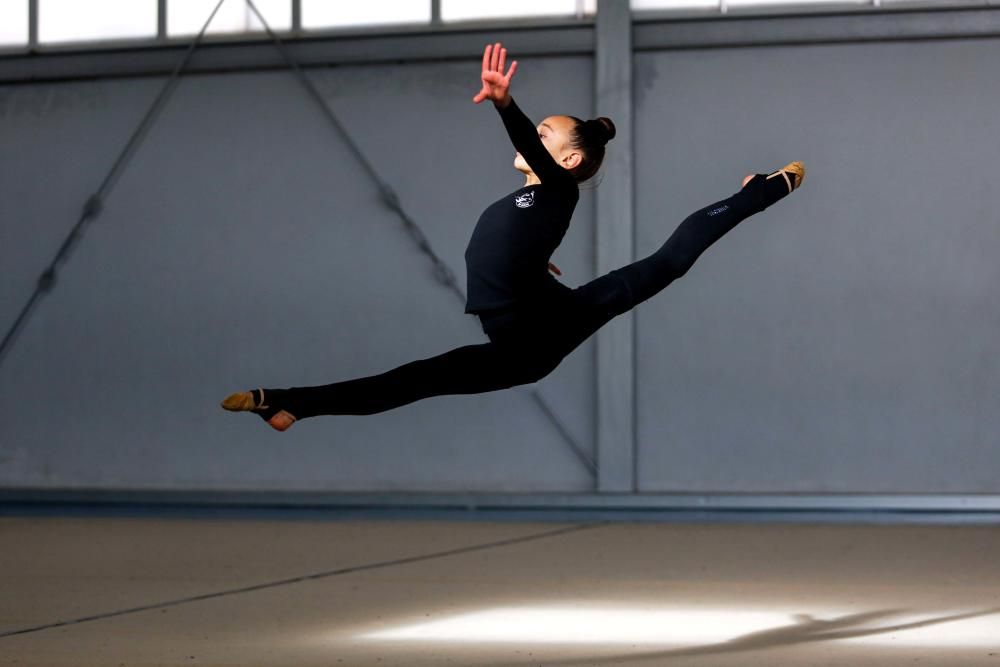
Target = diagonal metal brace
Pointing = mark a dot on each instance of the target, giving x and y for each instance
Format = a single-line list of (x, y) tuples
[(389, 197), (95, 203)]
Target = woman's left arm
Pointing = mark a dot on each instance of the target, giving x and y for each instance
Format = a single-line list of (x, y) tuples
[(522, 132), (524, 135)]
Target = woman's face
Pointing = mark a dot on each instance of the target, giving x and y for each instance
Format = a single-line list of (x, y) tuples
[(554, 131)]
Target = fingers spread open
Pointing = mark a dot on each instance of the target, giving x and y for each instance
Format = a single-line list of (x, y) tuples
[(503, 60), (486, 56)]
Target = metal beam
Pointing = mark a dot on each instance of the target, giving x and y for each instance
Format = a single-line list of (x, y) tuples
[(32, 24), (672, 507), (615, 340), (161, 20)]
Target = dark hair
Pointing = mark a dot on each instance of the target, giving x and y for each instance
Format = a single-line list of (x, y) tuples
[(589, 137)]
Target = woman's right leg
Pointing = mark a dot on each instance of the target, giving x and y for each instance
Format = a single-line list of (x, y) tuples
[(470, 369)]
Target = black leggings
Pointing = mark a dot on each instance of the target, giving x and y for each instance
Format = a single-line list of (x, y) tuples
[(529, 341)]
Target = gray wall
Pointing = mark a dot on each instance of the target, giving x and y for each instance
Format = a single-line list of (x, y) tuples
[(842, 341), (846, 339)]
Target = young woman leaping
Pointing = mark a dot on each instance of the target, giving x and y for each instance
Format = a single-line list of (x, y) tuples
[(532, 320)]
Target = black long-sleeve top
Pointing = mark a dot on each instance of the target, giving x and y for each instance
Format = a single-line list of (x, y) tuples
[(508, 255)]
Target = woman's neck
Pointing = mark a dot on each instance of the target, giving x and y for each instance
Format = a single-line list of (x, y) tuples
[(531, 179)]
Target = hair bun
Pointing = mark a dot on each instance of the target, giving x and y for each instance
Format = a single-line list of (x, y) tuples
[(603, 129)]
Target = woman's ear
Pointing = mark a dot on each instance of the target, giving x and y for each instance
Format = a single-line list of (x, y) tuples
[(572, 160)]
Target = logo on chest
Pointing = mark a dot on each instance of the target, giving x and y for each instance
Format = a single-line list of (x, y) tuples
[(525, 200)]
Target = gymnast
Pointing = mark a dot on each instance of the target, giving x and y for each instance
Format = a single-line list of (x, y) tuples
[(532, 320)]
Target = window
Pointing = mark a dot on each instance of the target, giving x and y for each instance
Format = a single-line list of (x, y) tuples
[(638, 5), (186, 17), (81, 21), (748, 3), (13, 23), (73, 20), (465, 10), (326, 14), (936, 3)]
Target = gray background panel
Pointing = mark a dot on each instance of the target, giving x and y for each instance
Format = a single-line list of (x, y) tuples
[(243, 247), (845, 339)]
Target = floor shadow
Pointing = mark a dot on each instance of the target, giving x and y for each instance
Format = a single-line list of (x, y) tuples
[(804, 629)]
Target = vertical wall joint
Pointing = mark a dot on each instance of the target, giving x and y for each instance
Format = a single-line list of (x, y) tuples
[(32, 24), (614, 241), (161, 19)]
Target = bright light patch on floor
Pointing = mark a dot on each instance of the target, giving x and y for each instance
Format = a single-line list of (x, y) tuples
[(686, 628), (939, 631), (601, 626)]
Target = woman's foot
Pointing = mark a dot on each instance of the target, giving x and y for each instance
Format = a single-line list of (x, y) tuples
[(253, 401), (793, 173)]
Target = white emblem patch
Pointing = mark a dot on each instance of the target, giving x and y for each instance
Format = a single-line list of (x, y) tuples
[(525, 200)]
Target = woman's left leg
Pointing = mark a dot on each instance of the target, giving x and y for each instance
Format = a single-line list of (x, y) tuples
[(600, 300), (694, 236)]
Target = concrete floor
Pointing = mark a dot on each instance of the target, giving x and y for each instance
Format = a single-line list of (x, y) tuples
[(140, 591)]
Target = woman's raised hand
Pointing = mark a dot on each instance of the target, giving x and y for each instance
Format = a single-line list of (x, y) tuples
[(496, 84)]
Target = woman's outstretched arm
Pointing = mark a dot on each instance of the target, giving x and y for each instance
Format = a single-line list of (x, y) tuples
[(522, 132)]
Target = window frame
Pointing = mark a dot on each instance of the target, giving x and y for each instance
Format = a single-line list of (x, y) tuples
[(640, 18)]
